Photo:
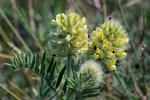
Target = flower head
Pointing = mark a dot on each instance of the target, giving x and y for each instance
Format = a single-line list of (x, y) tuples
[(109, 43), (91, 69), (72, 36)]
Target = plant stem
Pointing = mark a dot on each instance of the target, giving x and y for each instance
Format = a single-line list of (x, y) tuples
[(108, 86), (69, 71), (4, 56), (11, 93)]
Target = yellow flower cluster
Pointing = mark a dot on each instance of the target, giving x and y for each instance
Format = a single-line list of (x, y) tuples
[(109, 43), (73, 37)]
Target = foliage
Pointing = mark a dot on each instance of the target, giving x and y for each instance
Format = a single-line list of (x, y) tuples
[(50, 75)]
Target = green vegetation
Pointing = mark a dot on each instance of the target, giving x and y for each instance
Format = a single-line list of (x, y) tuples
[(46, 50)]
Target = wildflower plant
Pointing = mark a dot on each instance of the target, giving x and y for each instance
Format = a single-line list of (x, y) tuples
[(75, 80)]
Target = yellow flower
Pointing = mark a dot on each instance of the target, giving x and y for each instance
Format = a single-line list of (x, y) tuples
[(98, 33), (98, 54), (120, 42), (109, 42), (121, 53), (106, 44), (111, 64), (72, 38), (111, 53)]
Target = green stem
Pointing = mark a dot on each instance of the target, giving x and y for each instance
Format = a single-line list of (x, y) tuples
[(69, 92)]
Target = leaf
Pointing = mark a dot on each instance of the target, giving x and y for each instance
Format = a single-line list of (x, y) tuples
[(26, 57), (52, 72), (33, 62), (72, 83), (65, 86), (41, 89), (30, 61), (60, 77), (37, 65), (91, 95), (50, 66), (43, 64), (7, 64)]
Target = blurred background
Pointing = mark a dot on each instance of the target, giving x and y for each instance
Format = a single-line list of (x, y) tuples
[(27, 23)]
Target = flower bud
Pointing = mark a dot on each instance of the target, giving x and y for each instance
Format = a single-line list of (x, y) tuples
[(91, 69)]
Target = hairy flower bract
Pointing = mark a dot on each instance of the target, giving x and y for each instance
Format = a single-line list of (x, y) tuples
[(92, 70)]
